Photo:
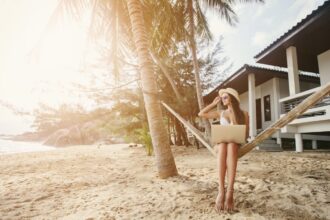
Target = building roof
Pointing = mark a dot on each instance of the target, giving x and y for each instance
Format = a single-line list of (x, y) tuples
[(310, 36), (239, 80)]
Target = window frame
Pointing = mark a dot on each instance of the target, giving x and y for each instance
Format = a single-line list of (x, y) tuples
[(267, 105)]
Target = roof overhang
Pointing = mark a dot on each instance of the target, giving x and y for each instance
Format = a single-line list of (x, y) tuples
[(310, 36), (239, 80)]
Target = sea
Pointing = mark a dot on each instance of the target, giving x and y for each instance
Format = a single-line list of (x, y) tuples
[(10, 147)]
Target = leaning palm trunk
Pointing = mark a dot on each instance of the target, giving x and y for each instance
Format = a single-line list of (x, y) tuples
[(196, 67), (290, 116), (165, 161)]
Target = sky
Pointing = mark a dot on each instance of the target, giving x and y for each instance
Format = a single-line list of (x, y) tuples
[(29, 76), (259, 25)]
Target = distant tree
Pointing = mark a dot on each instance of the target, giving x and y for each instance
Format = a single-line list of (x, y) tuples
[(214, 68), (49, 119)]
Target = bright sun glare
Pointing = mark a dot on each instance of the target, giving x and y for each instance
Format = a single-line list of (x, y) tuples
[(38, 66)]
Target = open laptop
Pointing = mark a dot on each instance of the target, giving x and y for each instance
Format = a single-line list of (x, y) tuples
[(228, 133)]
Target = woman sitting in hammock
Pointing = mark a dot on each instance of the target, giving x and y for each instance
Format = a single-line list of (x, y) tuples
[(227, 152)]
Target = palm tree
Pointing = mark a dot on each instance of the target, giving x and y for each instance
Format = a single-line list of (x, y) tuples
[(165, 161), (158, 25), (111, 19)]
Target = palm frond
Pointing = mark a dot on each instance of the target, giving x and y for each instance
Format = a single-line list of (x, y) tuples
[(202, 25), (224, 8), (250, 1)]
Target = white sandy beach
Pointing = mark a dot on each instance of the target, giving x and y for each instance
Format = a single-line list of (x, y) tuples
[(118, 182)]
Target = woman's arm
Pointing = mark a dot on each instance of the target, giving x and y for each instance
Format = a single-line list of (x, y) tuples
[(205, 112)]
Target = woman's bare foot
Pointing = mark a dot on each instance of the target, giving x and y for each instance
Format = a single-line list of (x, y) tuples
[(219, 202), (229, 205)]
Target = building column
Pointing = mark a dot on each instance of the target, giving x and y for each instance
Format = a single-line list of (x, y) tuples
[(294, 87), (293, 71), (277, 107), (299, 142), (314, 144), (323, 61), (252, 105)]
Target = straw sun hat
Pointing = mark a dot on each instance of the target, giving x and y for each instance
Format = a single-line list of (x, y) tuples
[(230, 91)]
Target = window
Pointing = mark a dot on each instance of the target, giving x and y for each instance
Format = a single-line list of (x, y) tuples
[(267, 109)]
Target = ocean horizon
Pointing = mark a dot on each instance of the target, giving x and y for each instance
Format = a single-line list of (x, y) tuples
[(11, 147)]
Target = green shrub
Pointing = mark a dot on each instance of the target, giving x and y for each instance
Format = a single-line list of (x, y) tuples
[(145, 138)]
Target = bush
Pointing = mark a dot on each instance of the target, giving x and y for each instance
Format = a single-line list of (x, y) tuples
[(145, 138)]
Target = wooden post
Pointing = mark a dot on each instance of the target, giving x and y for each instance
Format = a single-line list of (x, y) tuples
[(252, 105), (286, 119), (314, 144), (293, 71)]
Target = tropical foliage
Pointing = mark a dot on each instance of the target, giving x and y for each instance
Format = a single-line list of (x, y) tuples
[(155, 42)]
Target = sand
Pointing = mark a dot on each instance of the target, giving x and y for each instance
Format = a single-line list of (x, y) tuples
[(118, 182)]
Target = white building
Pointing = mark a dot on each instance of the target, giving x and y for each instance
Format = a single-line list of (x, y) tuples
[(266, 87), (268, 93), (305, 47)]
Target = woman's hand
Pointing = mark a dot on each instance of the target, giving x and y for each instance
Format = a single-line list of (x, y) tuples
[(205, 112), (216, 100)]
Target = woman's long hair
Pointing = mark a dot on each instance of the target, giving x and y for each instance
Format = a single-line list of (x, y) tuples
[(238, 113)]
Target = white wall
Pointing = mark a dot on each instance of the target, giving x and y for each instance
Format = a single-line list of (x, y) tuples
[(261, 91), (284, 88), (267, 89), (244, 104), (324, 67)]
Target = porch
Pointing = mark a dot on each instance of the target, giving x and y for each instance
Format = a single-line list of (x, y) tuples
[(318, 114)]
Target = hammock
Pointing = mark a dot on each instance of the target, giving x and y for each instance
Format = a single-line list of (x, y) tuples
[(191, 128), (281, 122)]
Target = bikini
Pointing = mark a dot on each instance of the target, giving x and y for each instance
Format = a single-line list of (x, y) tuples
[(223, 120)]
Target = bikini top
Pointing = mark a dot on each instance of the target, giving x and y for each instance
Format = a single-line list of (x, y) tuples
[(223, 120)]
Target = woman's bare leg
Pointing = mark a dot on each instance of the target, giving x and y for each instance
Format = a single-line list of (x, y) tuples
[(221, 163), (232, 152)]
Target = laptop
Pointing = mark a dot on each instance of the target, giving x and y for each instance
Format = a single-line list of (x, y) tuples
[(228, 133)]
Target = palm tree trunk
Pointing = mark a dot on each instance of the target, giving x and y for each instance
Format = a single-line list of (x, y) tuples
[(196, 66), (165, 161)]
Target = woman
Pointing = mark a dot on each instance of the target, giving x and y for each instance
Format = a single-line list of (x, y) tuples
[(227, 152)]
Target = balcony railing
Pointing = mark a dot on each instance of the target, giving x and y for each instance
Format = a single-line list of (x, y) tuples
[(290, 102)]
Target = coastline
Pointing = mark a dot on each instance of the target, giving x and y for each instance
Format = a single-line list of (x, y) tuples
[(119, 182), (9, 146)]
